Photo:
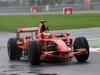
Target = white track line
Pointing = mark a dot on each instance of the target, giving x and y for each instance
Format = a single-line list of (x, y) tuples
[(94, 39)]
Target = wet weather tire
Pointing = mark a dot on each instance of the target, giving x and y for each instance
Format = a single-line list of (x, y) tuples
[(14, 52), (35, 51), (81, 42)]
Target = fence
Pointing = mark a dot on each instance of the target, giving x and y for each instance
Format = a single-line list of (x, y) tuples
[(45, 5)]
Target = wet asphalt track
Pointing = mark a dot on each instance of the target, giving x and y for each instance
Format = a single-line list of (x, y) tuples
[(22, 67)]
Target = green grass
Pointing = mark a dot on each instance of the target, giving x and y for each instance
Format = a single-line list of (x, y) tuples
[(94, 43), (55, 21)]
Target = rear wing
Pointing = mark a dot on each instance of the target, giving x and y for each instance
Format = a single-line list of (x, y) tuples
[(30, 29)]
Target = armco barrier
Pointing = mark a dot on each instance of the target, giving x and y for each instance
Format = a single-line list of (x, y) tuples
[(50, 8)]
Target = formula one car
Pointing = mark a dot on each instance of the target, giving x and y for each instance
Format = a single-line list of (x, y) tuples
[(45, 46)]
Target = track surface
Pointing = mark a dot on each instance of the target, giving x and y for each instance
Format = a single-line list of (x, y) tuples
[(22, 67)]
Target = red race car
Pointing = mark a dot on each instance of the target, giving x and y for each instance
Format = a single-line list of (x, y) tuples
[(41, 46)]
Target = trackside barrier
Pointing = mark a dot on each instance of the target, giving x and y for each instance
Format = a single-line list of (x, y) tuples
[(34, 9), (67, 10)]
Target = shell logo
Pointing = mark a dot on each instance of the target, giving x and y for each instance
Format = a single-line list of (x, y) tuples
[(68, 12)]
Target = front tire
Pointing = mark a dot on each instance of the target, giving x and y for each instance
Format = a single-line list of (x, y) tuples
[(81, 42), (14, 52), (35, 51)]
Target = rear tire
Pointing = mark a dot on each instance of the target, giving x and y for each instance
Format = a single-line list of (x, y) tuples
[(81, 42), (35, 51), (14, 52)]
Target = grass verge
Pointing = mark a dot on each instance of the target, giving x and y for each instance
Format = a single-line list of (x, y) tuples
[(55, 21)]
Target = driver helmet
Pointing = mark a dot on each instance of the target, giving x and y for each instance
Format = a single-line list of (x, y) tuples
[(46, 35)]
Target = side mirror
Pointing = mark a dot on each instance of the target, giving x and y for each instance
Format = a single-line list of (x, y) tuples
[(67, 34)]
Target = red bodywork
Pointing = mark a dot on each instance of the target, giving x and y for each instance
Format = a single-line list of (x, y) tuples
[(57, 46)]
